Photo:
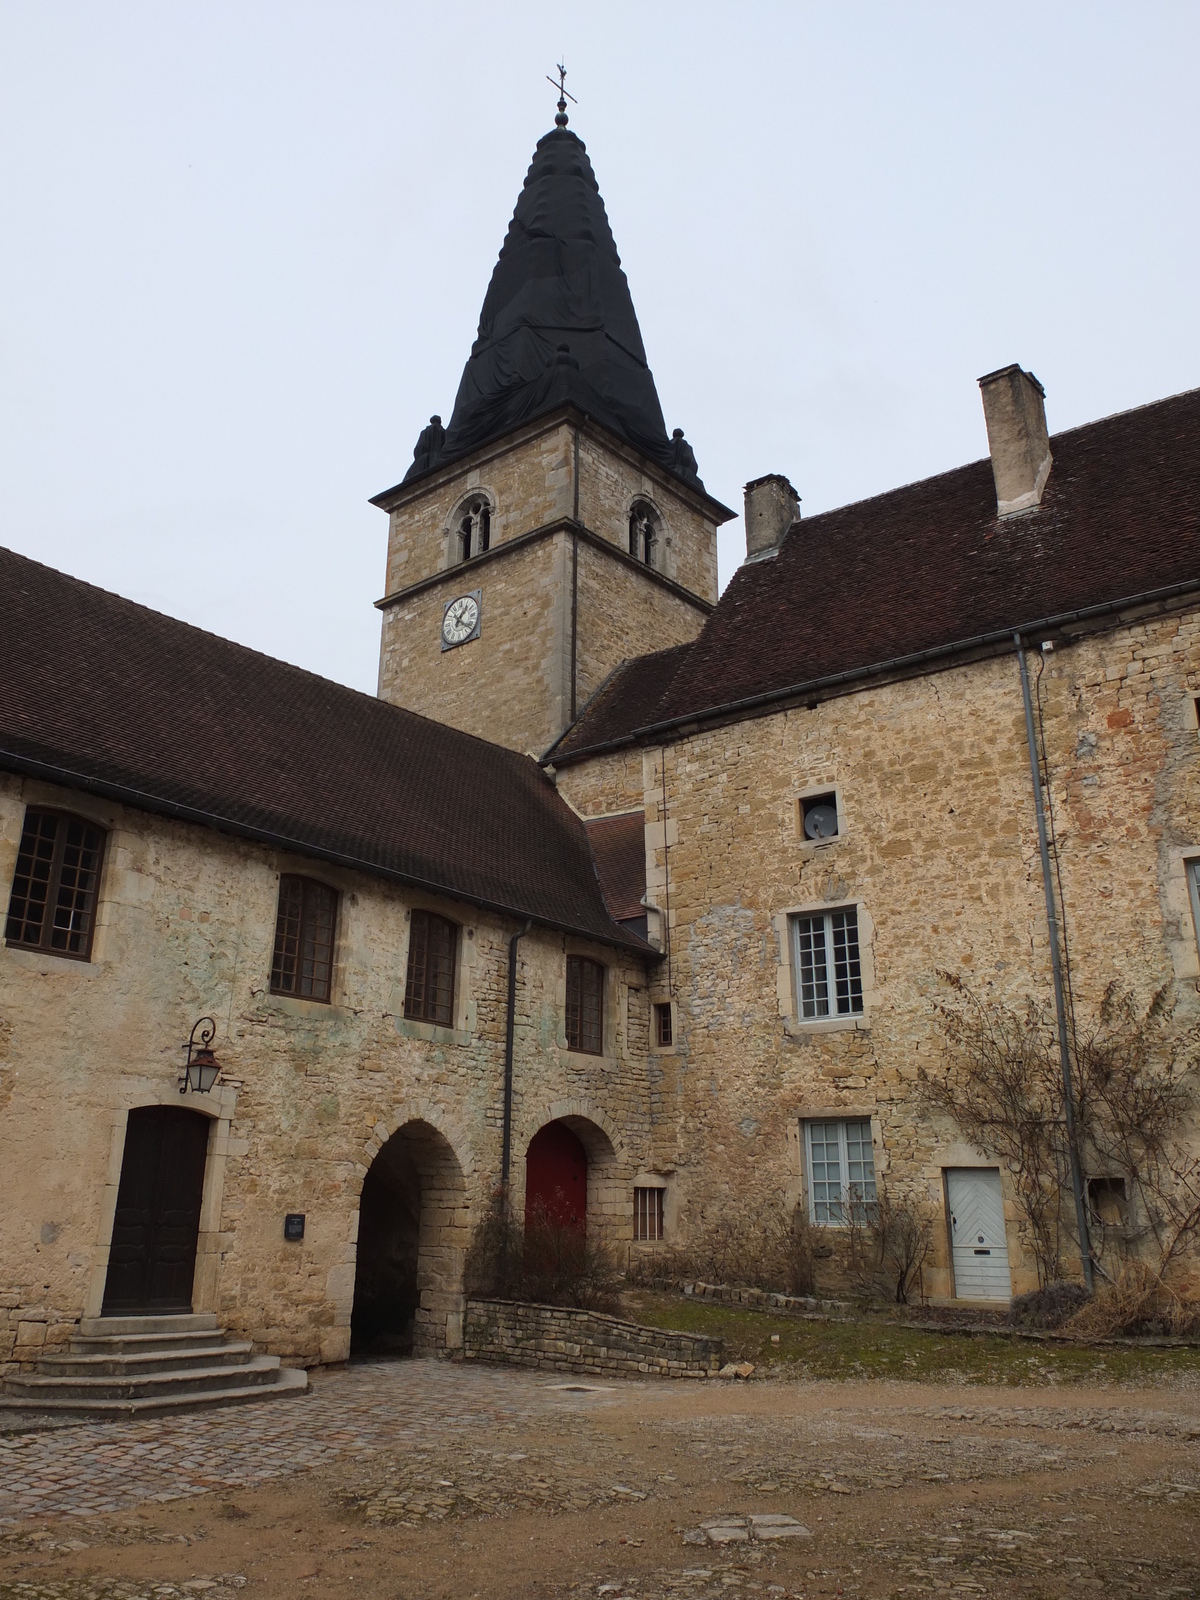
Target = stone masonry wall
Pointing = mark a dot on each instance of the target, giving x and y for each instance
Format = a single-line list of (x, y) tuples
[(513, 683), (564, 1339), (309, 1093), (938, 851)]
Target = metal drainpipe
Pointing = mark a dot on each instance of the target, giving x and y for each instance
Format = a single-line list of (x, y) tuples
[(1064, 1051), (509, 1024)]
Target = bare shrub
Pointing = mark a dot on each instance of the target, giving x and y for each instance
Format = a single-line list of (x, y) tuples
[(545, 1262), (1048, 1307), (1134, 1074), (746, 1247), (1140, 1301), (888, 1242)]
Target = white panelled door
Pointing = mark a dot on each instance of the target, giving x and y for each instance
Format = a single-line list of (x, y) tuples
[(977, 1233)]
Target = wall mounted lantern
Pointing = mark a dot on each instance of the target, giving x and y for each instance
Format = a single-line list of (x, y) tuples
[(202, 1067)]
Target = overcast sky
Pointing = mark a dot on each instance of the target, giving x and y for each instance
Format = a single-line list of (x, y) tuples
[(245, 246)]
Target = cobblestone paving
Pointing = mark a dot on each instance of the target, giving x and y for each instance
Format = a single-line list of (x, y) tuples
[(367, 1408)]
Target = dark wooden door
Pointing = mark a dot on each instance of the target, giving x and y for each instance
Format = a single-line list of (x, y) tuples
[(556, 1172), (153, 1255)]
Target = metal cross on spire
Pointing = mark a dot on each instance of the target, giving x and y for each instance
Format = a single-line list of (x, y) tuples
[(560, 120)]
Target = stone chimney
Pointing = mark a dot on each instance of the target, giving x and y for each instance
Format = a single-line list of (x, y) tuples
[(1014, 407), (772, 505)]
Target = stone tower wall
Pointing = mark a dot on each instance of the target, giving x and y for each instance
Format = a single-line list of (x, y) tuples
[(513, 684)]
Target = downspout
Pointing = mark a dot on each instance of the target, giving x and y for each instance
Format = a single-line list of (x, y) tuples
[(1064, 1051), (509, 1025)]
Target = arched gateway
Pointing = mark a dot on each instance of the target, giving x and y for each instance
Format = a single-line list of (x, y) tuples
[(412, 1236)]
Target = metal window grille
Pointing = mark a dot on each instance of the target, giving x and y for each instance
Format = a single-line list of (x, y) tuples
[(304, 934), (663, 1026), (647, 1214), (841, 1168), (53, 901), (429, 988), (828, 964), (585, 1005)]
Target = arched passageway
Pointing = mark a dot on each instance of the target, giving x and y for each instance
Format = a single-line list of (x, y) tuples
[(556, 1178), (411, 1238)]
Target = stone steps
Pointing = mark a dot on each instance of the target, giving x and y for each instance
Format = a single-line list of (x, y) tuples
[(138, 1366)]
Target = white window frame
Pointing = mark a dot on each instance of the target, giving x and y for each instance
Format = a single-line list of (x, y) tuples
[(864, 1190), (855, 1005)]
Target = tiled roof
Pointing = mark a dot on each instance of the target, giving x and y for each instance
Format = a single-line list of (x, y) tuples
[(619, 851), (931, 565), (628, 698), (163, 715)]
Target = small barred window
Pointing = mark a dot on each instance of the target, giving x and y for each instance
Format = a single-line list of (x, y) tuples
[(429, 988), (648, 1214), (304, 934), (585, 1005), (664, 1032), (53, 902)]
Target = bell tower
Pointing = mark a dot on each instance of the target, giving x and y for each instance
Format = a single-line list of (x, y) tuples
[(552, 529)]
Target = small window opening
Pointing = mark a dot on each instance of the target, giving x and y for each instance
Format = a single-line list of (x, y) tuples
[(1108, 1202), (828, 965), (475, 529), (663, 1032), (647, 1215), (643, 532), (429, 988), (819, 817), (304, 931), (53, 902), (585, 1006)]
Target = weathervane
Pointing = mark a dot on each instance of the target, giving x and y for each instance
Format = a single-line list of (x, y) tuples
[(560, 120)]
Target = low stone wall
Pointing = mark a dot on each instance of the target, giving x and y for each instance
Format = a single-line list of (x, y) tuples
[(766, 1298), (562, 1339)]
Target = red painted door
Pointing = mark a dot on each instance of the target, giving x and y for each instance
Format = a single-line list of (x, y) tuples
[(556, 1177)]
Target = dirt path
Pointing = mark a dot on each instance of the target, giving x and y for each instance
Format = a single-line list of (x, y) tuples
[(423, 1481)]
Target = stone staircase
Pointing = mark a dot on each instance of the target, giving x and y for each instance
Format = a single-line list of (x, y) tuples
[(143, 1366)]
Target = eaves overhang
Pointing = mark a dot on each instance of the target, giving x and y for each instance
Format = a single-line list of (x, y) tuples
[(162, 805)]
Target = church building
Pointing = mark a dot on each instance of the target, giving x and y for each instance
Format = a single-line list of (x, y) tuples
[(617, 892)]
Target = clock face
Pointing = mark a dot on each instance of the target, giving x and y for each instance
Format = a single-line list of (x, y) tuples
[(460, 619)]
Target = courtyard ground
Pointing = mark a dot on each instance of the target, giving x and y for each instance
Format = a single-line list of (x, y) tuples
[(969, 1468)]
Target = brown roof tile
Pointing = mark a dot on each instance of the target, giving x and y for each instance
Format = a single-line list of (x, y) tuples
[(931, 565), (628, 698), (619, 851), (97, 690)]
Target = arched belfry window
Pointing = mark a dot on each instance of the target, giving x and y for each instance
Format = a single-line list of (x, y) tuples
[(474, 533), (643, 532)]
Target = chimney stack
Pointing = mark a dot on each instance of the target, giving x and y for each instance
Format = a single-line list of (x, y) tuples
[(772, 505), (1014, 407)]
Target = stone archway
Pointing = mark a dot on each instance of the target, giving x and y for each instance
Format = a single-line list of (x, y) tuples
[(412, 1237), (570, 1131)]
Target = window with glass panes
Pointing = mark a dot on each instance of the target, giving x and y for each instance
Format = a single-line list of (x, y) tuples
[(429, 988), (647, 1214), (585, 1005), (53, 901), (304, 932), (827, 964), (841, 1167)]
